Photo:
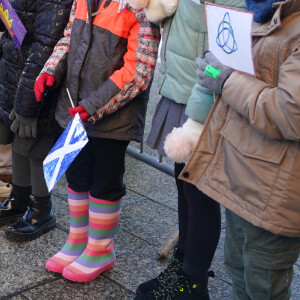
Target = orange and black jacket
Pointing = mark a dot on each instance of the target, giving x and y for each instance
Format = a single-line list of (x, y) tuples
[(107, 58)]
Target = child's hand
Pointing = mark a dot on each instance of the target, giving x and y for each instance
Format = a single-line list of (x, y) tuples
[(211, 73), (83, 114)]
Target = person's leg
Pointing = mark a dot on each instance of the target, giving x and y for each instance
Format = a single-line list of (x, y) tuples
[(78, 235), (268, 262), (182, 208), (39, 217), (16, 205), (79, 177), (203, 231), (5, 163), (260, 262), (107, 189), (233, 255)]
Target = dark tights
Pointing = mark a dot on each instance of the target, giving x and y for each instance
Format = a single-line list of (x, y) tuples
[(199, 227)]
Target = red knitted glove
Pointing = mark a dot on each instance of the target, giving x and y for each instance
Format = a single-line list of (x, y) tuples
[(43, 82), (83, 114)]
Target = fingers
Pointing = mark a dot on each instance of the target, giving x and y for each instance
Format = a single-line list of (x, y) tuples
[(83, 116), (12, 115), (38, 93), (201, 63), (39, 89), (15, 126), (211, 59), (50, 81)]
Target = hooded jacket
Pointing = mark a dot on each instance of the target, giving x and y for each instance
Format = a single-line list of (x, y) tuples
[(108, 57), (44, 21), (174, 84), (248, 156)]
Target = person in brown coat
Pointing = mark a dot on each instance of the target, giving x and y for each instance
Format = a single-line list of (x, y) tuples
[(248, 156)]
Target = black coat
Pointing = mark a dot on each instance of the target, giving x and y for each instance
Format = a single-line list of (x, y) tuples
[(44, 21)]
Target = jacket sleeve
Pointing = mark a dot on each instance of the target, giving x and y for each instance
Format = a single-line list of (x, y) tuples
[(199, 104), (50, 21), (56, 65), (274, 111), (135, 75)]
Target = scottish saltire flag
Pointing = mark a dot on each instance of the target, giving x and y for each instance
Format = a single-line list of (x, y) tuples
[(12, 22), (68, 146)]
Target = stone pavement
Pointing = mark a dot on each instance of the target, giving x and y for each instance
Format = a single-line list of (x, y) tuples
[(148, 219)]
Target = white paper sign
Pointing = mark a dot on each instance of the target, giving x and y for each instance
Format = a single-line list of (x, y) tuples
[(230, 36)]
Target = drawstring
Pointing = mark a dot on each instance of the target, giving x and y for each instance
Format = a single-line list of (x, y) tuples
[(98, 4)]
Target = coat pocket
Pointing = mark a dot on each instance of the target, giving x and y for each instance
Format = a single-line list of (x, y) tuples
[(247, 165), (252, 143)]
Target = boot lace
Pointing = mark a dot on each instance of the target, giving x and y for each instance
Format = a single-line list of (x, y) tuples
[(169, 273), (172, 288)]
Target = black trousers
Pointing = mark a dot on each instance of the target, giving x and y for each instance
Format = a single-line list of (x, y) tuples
[(99, 168), (199, 227)]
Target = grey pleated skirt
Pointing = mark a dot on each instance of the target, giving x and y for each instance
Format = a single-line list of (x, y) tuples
[(168, 114)]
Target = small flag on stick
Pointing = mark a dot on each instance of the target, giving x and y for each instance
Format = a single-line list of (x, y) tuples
[(12, 22), (68, 146)]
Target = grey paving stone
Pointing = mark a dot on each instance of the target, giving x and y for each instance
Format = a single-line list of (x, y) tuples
[(135, 268), (150, 182), (149, 221), (101, 288), (22, 264)]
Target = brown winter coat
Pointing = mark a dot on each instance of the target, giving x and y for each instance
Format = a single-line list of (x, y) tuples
[(248, 157)]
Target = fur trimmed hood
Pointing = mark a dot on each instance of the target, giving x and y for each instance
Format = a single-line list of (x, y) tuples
[(156, 10)]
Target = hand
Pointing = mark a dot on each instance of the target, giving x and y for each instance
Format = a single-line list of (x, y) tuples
[(27, 126), (83, 114), (43, 82), (211, 73)]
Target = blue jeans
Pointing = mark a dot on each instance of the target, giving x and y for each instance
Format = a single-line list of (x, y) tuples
[(259, 262), (99, 169)]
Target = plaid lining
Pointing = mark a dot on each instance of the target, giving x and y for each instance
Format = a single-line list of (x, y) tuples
[(148, 41)]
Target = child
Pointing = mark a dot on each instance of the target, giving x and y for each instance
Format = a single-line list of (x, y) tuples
[(247, 157), (106, 60), (31, 122), (184, 38)]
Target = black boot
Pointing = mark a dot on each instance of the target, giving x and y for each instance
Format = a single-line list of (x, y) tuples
[(37, 220), (163, 277), (15, 206), (181, 287)]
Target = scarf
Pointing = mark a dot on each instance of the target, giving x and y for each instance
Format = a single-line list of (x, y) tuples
[(262, 9)]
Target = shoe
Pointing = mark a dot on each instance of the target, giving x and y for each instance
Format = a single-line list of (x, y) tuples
[(78, 233), (181, 287), (5, 190), (99, 254), (165, 276), (37, 220), (15, 206)]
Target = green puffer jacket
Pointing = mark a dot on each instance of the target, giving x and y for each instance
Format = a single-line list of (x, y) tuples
[(184, 39)]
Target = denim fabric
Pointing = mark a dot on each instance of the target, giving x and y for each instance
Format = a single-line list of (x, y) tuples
[(99, 169), (259, 262)]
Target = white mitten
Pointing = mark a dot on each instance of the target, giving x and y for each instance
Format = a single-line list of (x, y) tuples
[(157, 10), (181, 142), (137, 4)]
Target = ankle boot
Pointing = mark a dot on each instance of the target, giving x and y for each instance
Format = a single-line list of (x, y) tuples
[(37, 220), (99, 254), (164, 276), (78, 235), (15, 206), (180, 287)]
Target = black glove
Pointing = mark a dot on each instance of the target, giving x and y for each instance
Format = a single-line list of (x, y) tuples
[(211, 73), (27, 126)]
